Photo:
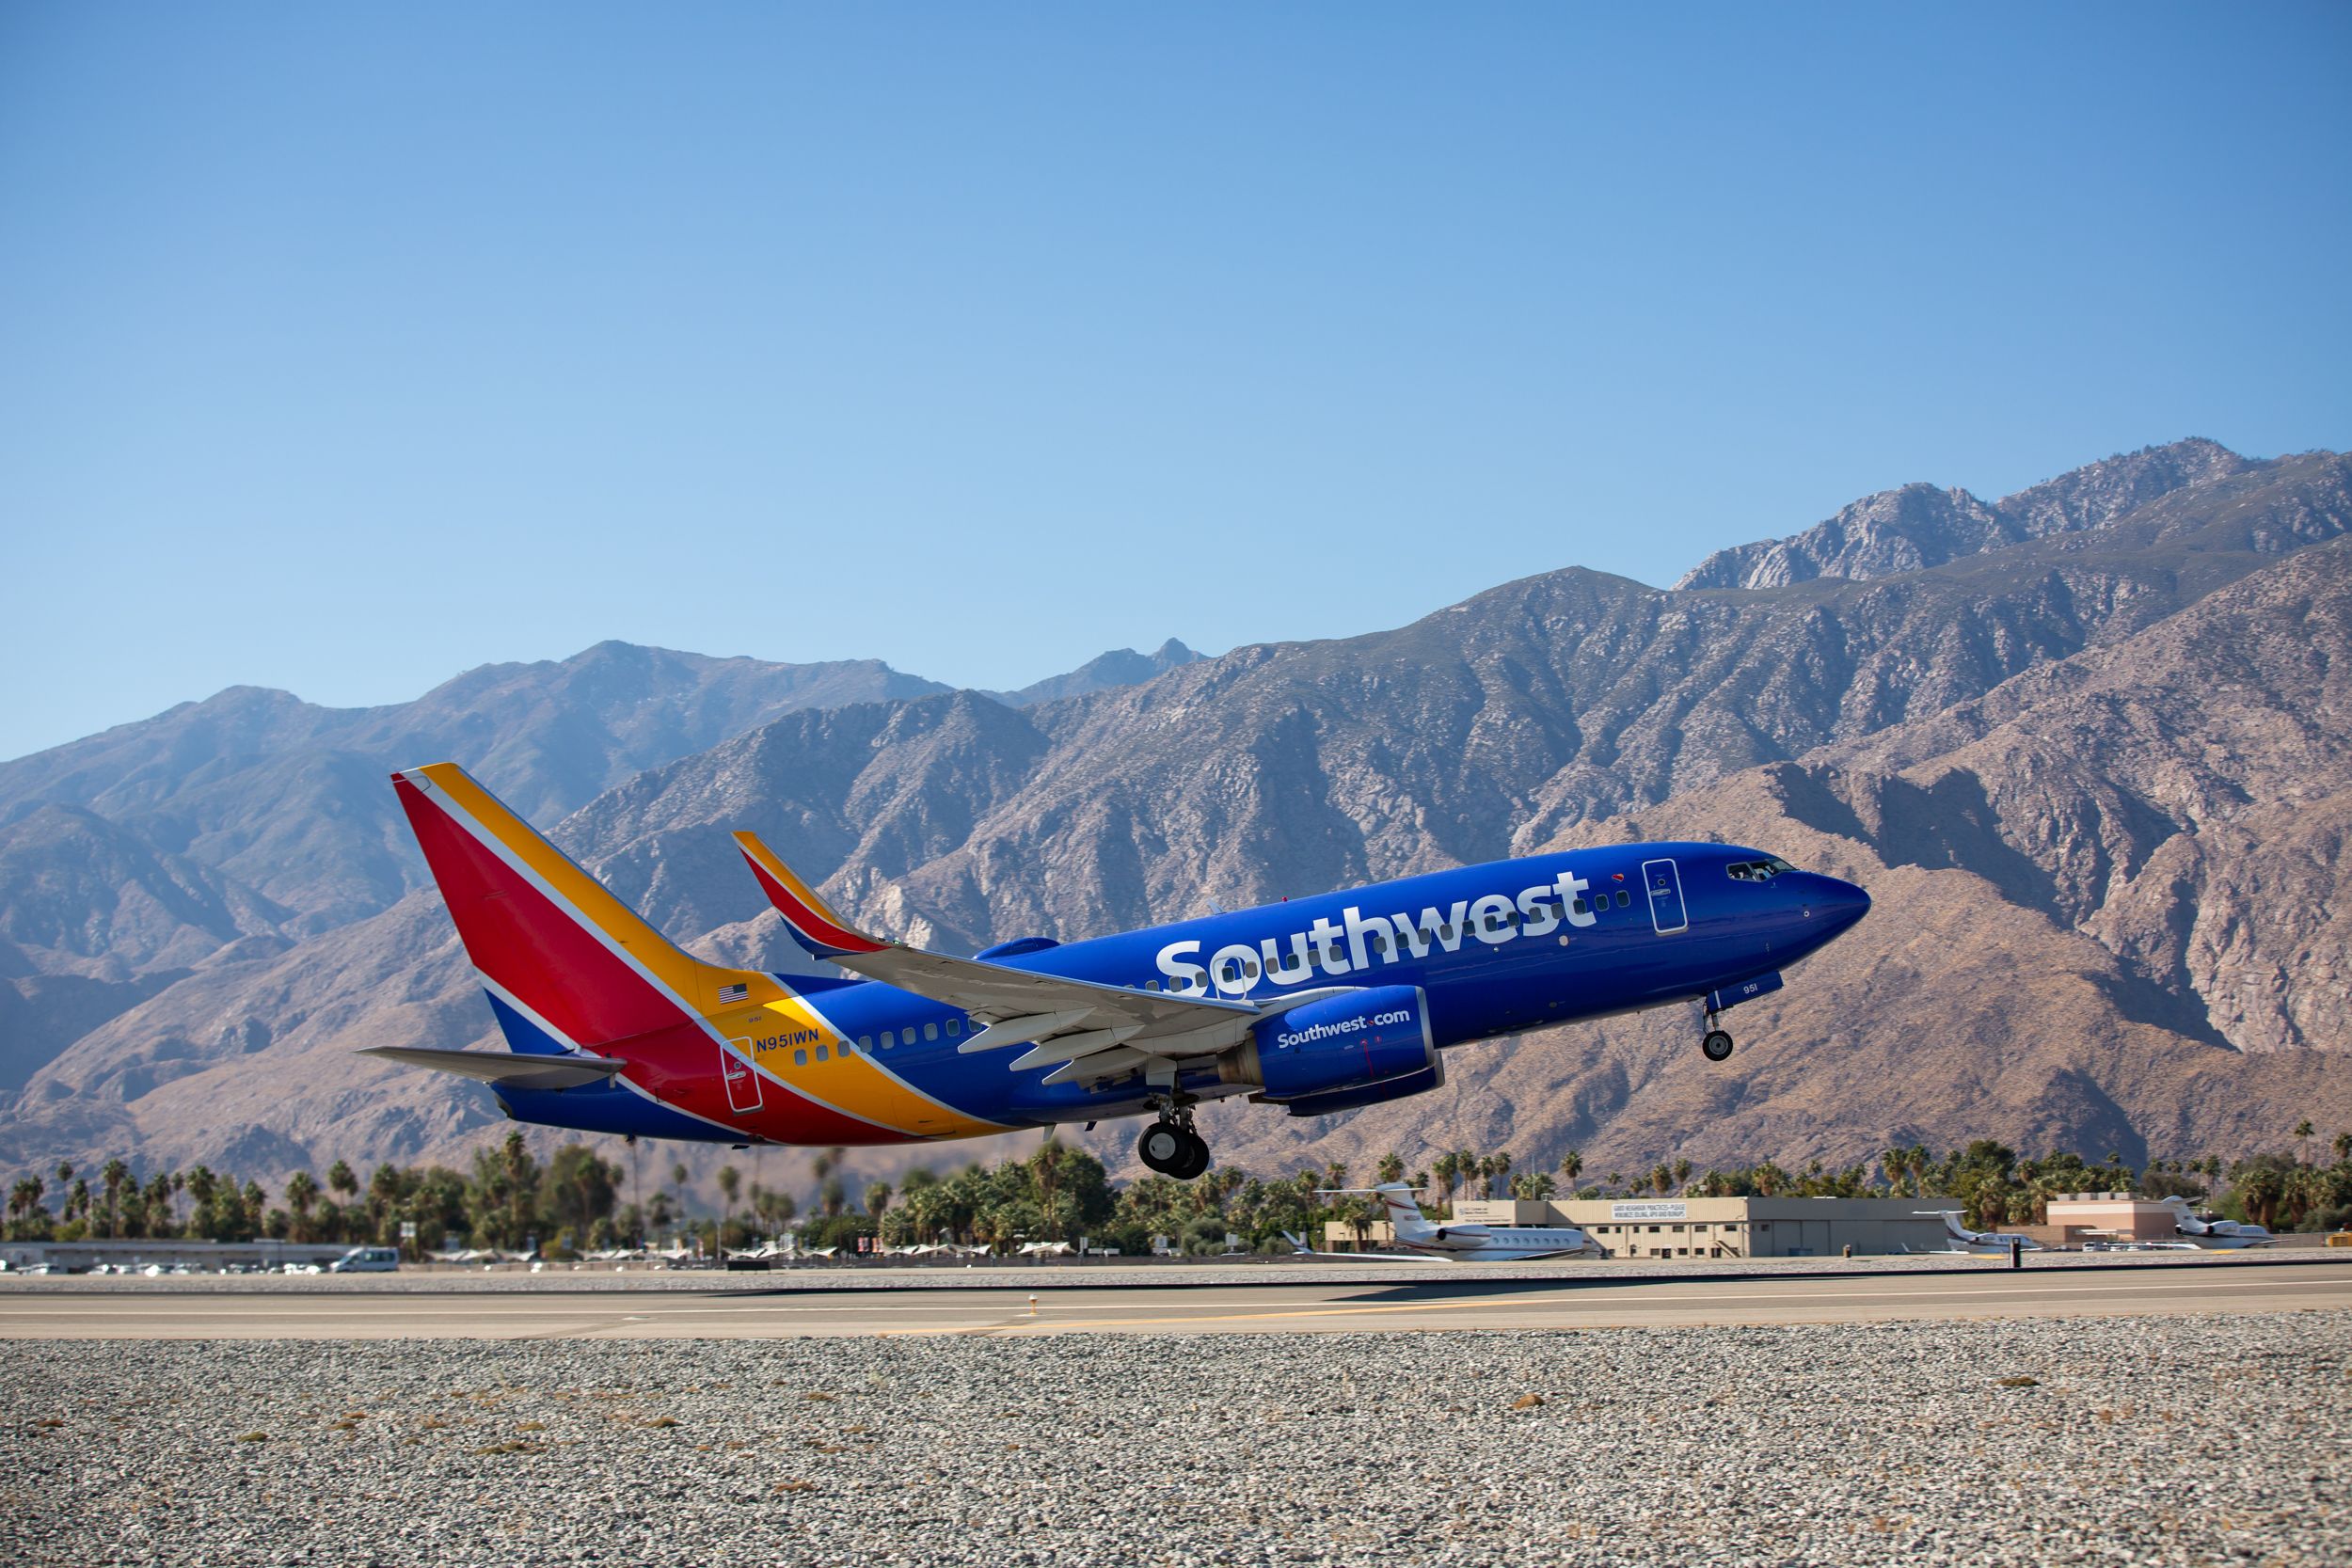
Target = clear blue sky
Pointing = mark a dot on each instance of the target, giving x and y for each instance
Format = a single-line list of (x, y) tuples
[(343, 348)]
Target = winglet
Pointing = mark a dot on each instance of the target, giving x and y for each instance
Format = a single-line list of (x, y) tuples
[(811, 921)]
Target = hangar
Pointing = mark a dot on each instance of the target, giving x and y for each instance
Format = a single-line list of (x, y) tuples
[(1716, 1228)]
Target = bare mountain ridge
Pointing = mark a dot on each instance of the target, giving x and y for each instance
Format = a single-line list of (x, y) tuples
[(2090, 884), (287, 798), (1974, 1000), (1919, 525), (955, 818), (226, 830), (1120, 667)]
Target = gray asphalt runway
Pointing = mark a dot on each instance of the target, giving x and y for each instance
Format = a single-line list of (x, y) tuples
[(1424, 1304)]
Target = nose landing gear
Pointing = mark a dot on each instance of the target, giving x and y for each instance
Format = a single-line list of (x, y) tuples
[(1170, 1146), (1716, 1046)]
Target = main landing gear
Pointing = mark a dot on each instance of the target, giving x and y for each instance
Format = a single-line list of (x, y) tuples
[(1170, 1146), (1717, 1045)]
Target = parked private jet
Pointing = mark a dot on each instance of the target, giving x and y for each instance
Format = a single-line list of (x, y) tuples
[(1300, 1249), (2214, 1235), (1468, 1243), (1314, 1006), (1958, 1238)]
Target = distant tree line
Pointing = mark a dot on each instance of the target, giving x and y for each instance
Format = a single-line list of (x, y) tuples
[(576, 1200)]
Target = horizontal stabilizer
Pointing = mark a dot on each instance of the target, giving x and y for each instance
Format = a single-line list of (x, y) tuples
[(521, 1071)]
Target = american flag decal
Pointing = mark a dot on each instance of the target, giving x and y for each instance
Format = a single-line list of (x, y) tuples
[(734, 993)]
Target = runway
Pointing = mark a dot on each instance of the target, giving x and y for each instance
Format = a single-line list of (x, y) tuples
[(1959, 1294)]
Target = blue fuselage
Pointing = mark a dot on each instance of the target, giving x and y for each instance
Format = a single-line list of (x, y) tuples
[(1496, 949)]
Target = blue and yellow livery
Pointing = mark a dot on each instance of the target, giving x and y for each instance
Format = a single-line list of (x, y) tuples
[(1315, 1006)]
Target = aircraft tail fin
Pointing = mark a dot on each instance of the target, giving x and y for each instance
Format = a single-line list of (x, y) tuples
[(567, 965), (1396, 1197)]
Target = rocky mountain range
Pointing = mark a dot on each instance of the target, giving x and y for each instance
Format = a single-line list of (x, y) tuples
[(2085, 745)]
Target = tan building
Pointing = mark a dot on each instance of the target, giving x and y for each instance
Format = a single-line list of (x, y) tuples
[(2078, 1217), (1704, 1227)]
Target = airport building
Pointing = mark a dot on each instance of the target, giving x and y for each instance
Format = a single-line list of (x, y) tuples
[(2078, 1217), (1713, 1227)]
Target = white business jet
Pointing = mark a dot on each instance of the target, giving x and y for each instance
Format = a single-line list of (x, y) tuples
[(1961, 1241), (2213, 1235), (1468, 1243)]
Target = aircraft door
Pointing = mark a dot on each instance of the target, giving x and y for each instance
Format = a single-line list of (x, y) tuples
[(743, 1081), (1664, 882)]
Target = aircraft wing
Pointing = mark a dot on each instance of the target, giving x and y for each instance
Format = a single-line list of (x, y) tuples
[(519, 1069), (1076, 1027)]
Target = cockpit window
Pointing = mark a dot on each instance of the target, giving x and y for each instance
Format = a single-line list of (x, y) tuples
[(1758, 871)]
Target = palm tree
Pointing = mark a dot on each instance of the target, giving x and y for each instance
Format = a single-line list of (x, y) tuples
[(1445, 1167), (636, 1192), (730, 1183), (201, 1185), (677, 1188), (1045, 1167), (1391, 1168), (1571, 1166), (302, 1193), (114, 1174), (159, 1202), (1501, 1162), (2303, 1142)]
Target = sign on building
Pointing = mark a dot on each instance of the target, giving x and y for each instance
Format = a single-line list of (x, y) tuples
[(1673, 1211)]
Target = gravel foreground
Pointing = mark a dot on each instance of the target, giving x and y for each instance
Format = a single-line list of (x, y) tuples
[(2176, 1440)]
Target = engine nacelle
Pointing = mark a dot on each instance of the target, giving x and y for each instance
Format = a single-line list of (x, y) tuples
[(1334, 1054)]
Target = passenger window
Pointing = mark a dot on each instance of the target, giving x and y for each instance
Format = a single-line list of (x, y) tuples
[(931, 1031), (889, 1039), (1150, 985), (1575, 905), (1249, 969), (955, 1027), (800, 1058), (865, 1042), (1624, 898), (820, 1052)]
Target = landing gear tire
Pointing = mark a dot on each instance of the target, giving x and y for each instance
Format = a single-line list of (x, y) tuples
[(1171, 1147), (1717, 1045), (1196, 1158), (1165, 1148)]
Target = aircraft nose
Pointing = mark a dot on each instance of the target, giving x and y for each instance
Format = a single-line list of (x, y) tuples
[(1840, 903)]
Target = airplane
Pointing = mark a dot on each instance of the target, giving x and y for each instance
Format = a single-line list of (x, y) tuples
[(2213, 1235), (1313, 1005), (1468, 1243), (1959, 1239), (1300, 1249)]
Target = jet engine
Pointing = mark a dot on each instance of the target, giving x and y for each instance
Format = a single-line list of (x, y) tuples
[(1339, 1052)]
